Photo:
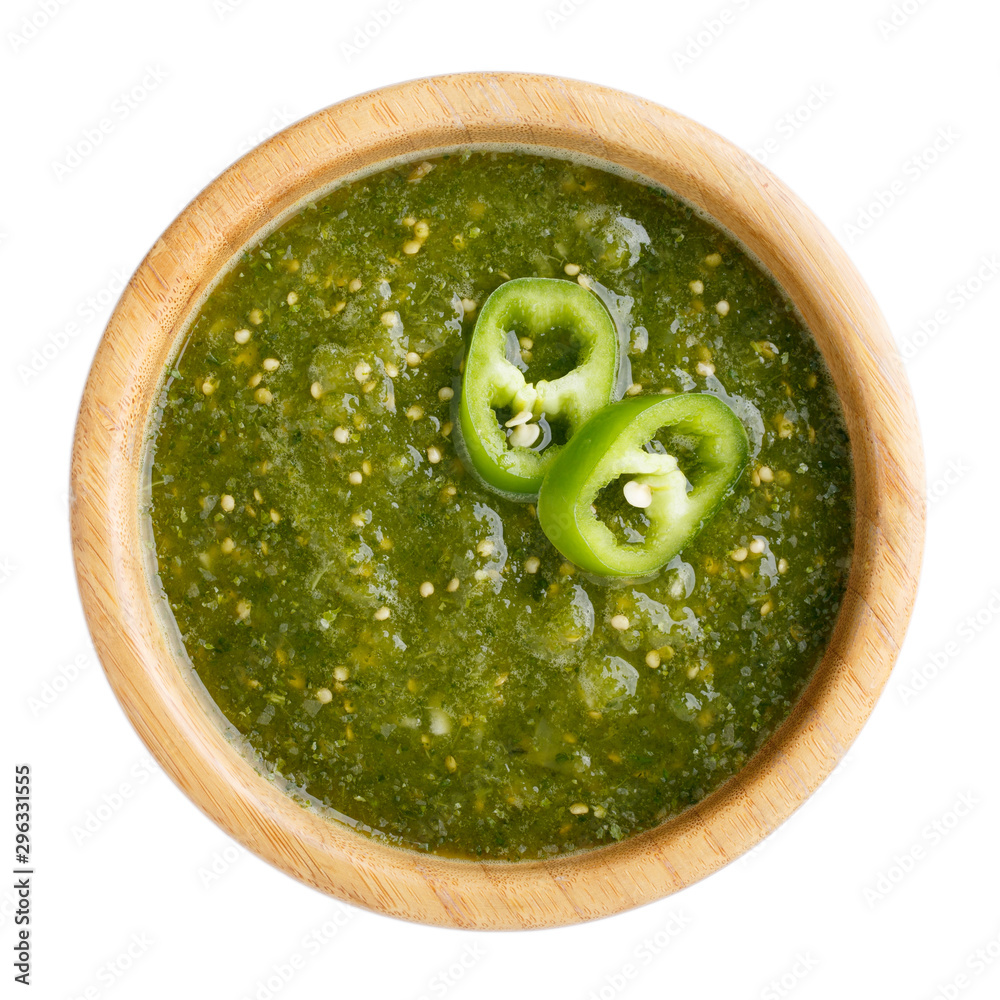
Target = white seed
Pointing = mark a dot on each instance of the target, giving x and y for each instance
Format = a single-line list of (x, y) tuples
[(243, 609), (381, 614), (525, 435), (579, 809), (355, 285), (738, 555), (270, 364), (469, 306), (341, 674), (415, 412), (391, 370), (315, 390), (572, 270), (241, 336), (452, 585), (362, 370), (255, 380), (638, 494), (782, 565), (757, 546), (412, 359), (412, 246), (291, 298), (620, 622), (426, 588), (766, 608), (228, 545), (227, 503), (526, 343), (445, 393), (713, 259), (341, 435), (263, 396), (765, 474), (275, 517), (532, 564), (634, 389), (697, 287), (705, 368), (722, 307), (421, 230), (355, 478), (324, 696), (485, 547), (652, 659), (519, 418), (433, 455), (389, 318)]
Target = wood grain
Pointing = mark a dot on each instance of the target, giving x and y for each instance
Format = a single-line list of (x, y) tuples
[(405, 120)]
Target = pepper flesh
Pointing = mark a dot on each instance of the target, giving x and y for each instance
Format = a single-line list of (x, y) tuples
[(491, 381), (613, 444)]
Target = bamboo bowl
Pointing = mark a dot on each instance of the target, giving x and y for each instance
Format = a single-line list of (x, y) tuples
[(404, 120)]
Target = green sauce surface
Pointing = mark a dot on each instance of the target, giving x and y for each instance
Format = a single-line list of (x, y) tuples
[(306, 496)]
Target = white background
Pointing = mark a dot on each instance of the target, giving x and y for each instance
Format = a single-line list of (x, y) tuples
[(824, 908)]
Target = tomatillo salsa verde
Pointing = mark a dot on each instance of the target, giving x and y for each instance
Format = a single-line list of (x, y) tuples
[(399, 642)]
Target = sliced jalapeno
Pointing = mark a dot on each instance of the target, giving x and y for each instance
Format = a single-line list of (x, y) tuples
[(661, 507), (513, 458)]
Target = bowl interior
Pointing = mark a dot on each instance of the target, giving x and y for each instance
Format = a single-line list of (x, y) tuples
[(141, 658)]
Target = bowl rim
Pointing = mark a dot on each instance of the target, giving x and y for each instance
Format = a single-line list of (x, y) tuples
[(525, 110)]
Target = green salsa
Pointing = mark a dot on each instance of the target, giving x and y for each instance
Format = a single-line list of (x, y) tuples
[(400, 646)]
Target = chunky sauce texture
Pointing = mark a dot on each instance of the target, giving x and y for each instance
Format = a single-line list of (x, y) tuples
[(402, 646)]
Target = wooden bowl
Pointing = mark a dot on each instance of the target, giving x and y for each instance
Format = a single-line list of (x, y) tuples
[(409, 119)]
